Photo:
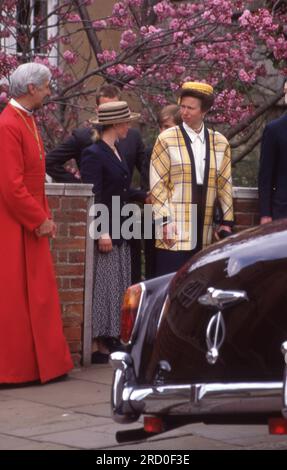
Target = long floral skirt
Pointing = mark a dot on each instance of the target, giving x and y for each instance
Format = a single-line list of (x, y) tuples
[(112, 276)]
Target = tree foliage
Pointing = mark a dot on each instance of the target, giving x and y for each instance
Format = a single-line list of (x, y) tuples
[(239, 47)]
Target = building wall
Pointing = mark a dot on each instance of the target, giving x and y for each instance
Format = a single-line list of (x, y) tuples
[(86, 61), (72, 252)]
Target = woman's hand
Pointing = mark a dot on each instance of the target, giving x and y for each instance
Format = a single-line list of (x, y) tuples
[(169, 232), (105, 243), (225, 228)]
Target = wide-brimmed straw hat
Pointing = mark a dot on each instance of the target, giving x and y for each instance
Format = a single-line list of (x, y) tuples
[(114, 112)]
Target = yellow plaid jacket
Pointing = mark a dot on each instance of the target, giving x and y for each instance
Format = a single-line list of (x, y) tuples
[(172, 176)]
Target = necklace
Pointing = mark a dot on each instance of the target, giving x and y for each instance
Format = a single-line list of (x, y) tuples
[(33, 131)]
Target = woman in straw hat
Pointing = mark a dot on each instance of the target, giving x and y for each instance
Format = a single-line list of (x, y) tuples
[(104, 167), (190, 167)]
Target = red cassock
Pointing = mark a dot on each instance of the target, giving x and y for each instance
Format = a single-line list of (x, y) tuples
[(32, 344)]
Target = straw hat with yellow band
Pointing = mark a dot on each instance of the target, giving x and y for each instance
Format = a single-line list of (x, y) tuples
[(198, 86), (200, 90)]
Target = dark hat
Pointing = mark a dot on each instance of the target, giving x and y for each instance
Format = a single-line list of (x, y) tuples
[(114, 112)]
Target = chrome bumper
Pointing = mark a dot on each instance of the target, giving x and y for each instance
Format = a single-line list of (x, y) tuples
[(129, 401), (284, 352)]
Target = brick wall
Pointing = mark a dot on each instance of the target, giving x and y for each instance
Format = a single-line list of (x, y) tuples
[(245, 208), (72, 251)]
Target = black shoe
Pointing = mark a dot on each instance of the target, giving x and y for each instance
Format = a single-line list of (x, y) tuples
[(100, 358)]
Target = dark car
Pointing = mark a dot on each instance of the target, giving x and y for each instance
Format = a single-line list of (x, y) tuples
[(208, 343)]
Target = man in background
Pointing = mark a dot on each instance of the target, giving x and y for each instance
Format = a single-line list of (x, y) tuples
[(131, 147), (273, 170)]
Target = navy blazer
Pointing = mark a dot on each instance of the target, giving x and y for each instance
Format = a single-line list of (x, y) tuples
[(110, 177), (131, 147), (272, 180)]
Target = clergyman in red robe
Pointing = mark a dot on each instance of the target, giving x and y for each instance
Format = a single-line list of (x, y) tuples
[(32, 343)]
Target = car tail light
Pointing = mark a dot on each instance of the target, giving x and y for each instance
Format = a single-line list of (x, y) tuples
[(277, 426), (153, 424), (129, 310)]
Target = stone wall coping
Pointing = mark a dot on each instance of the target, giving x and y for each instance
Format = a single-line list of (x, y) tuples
[(74, 189), (245, 193), (68, 189)]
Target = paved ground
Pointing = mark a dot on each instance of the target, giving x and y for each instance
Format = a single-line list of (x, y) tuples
[(75, 414)]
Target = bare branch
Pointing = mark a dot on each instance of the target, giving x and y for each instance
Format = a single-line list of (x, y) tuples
[(261, 110), (88, 27), (247, 150)]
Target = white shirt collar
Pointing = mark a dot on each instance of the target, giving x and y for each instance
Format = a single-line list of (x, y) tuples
[(19, 106), (192, 134)]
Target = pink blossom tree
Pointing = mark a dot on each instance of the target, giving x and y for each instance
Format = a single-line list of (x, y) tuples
[(238, 46)]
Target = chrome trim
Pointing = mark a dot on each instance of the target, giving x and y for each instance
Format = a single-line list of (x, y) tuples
[(138, 317), (284, 394), (120, 360), (129, 401), (166, 300), (222, 299), (123, 364), (213, 344), (197, 399)]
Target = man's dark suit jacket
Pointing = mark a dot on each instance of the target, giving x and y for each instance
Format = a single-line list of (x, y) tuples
[(272, 181), (132, 148), (110, 177)]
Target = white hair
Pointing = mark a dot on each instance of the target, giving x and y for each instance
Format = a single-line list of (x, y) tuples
[(26, 74)]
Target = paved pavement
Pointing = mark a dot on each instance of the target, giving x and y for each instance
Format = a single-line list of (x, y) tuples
[(75, 414)]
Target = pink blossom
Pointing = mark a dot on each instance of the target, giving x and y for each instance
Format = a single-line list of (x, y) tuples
[(163, 9), (278, 46), (174, 23), (260, 20), (245, 77), (129, 69), (119, 9), (245, 18), (150, 31), (107, 56), (73, 18), (218, 11), (70, 57), (98, 25), (128, 38), (178, 36)]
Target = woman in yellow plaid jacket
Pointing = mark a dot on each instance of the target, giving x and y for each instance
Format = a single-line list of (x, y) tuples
[(190, 168)]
